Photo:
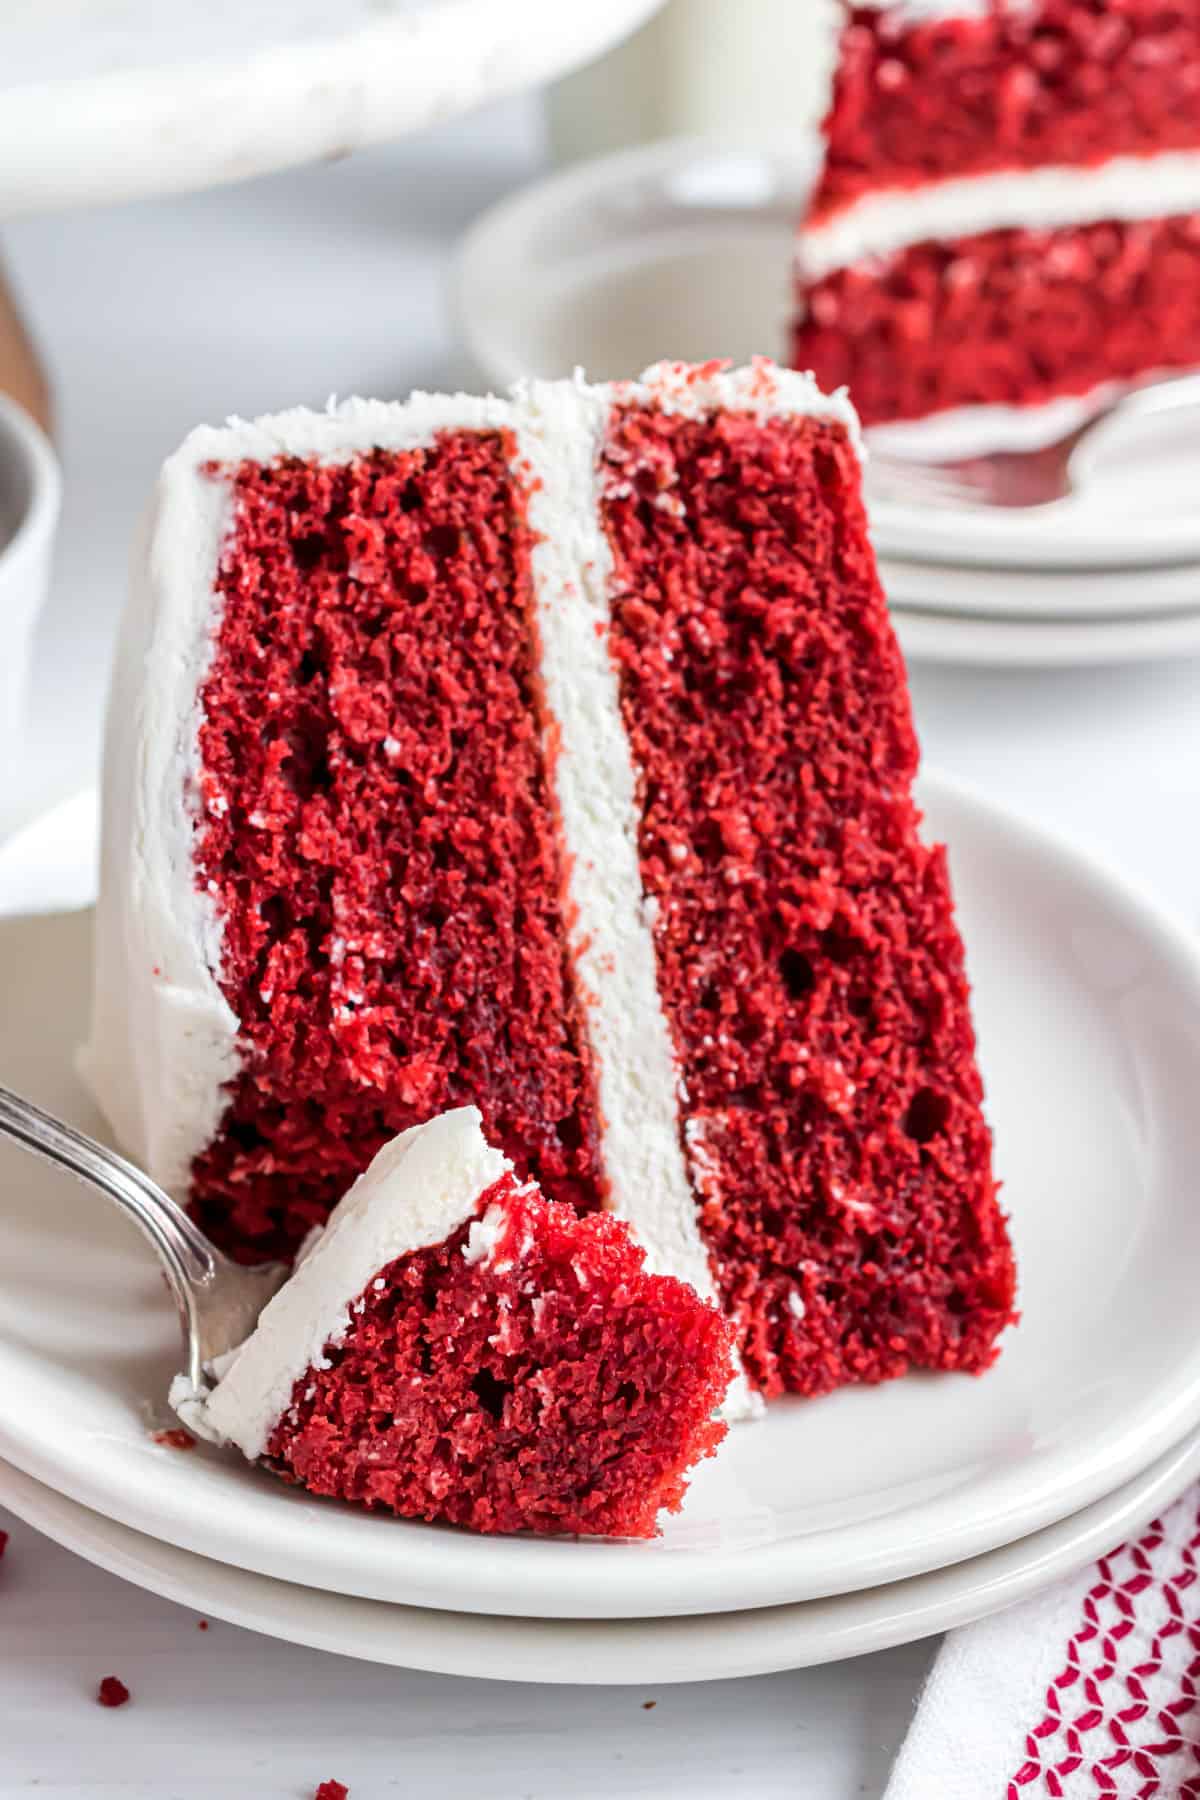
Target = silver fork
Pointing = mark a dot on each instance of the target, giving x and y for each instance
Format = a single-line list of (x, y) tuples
[(1024, 478), (218, 1301)]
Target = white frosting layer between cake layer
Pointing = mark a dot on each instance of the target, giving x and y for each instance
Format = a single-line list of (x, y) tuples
[(417, 1192), (595, 781), (879, 225), (595, 786)]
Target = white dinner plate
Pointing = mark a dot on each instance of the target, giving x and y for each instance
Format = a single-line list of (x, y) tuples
[(683, 249), (1088, 1006), (706, 1647)]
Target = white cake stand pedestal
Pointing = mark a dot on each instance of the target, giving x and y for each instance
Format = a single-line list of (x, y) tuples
[(105, 100)]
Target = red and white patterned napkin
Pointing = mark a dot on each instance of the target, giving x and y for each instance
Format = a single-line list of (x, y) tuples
[(1090, 1691)]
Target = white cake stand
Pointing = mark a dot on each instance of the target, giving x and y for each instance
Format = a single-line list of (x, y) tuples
[(105, 100), (111, 99)]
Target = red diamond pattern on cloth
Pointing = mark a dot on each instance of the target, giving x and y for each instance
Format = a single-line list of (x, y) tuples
[(1128, 1683), (1090, 1691)]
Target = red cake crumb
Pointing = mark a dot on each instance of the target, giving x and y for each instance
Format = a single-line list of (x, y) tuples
[(1008, 317), (3, 1544), (201, 1624), (175, 1439), (377, 836), (808, 959), (1067, 81), (332, 1790), (112, 1692), (549, 1386)]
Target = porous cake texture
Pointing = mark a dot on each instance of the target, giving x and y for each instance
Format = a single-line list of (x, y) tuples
[(454, 1347), (552, 755)]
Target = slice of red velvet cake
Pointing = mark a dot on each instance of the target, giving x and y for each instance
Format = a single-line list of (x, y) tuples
[(1009, 205), (455, 1347), (552, 755)]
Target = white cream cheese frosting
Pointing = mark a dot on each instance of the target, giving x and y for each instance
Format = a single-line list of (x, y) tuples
[(880, 224), (419, 1190), (164, 1041), (917, 12), (611, 942)]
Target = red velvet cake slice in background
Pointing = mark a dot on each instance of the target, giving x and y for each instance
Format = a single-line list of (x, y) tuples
[(455, 1347), (552, 755), (1008, 210)]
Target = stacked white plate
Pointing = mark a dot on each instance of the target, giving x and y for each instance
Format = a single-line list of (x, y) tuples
[(832, 1527), (1110, 573), (682, 249)]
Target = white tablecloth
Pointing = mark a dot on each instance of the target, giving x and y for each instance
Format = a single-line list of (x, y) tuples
[(331, 280)]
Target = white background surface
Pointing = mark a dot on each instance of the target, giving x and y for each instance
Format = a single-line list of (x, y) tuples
[(225, 1713), (154, 317)]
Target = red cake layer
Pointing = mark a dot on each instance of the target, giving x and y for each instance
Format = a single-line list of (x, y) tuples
[(1062, 81), (807, 955), (552, 1386), (377, 838), (1011, 317)]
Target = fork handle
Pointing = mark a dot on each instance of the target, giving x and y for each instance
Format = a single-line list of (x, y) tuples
[(185, 1254)]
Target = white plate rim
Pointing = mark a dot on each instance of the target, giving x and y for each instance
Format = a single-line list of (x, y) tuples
[(984, 537), (1041, 597), (486, 1575), (962, 638), (627, 1652)]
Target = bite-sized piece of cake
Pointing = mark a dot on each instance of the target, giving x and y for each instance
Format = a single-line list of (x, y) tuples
[(453, 1346), (552, 755), (1009, 205)]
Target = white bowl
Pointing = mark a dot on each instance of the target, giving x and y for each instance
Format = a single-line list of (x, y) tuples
[(679, 249), (30, 494)]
